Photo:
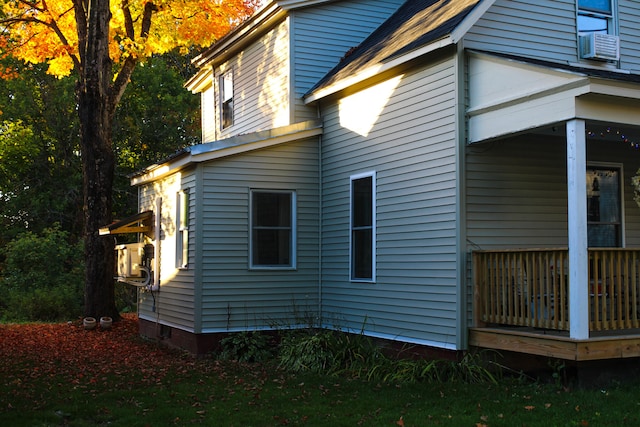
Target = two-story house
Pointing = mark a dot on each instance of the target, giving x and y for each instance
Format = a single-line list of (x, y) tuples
[(447, 173)]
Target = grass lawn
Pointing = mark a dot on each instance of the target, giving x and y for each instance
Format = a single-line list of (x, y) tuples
[(63, 375)]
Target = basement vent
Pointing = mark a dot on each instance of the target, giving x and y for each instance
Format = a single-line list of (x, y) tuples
[(598, 46)]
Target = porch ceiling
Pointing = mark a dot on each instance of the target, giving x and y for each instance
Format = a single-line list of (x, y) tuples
[(507, 96)]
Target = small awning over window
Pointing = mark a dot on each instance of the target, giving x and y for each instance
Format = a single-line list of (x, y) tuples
[(138, 223)]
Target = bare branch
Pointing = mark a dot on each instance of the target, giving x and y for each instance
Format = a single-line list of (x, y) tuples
[(128, 20)]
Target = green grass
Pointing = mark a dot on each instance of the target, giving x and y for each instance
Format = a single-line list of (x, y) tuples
[(112, 378)]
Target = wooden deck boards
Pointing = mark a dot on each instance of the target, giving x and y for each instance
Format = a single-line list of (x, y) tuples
[(600, 346)]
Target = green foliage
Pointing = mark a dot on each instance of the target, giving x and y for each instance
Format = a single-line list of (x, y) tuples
[(247, 347), (42, 277), (357, 356)]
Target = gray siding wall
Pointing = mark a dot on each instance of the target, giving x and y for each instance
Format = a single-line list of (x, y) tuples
[(174, 303), (547, 30), (412, 149), (322, 35), (234, 297), (517, 191)]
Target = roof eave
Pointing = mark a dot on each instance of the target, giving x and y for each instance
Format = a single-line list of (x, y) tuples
[(229, 147), (376, 70)]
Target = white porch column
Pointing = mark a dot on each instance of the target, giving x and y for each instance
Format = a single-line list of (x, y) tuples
[(577, 219)]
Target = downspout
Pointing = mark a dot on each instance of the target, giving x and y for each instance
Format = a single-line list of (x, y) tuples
[(155, 286), (320, 307), (462, 326)]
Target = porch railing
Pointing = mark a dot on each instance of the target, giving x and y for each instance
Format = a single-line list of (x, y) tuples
[(530, 287)]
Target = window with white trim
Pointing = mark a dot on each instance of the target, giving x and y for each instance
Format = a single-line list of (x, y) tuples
[(273, 226), (182, 229), (362, 224), (226, 99)]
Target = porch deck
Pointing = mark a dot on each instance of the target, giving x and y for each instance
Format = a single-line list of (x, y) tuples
[(521, 303)]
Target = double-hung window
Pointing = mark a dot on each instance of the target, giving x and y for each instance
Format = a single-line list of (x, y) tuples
[(363, 233), (226, 99), (272, 228), (182, 229), (595, 16)]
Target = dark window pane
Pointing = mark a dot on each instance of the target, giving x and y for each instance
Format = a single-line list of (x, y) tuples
[(362, 254), (272, 247), (271, 209), (271, 229), (362, 202)]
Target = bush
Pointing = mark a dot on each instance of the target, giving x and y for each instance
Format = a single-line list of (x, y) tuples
[(247, 347), (43, 278)]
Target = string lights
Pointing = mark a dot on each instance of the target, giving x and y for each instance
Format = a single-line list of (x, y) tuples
[(610, 134)]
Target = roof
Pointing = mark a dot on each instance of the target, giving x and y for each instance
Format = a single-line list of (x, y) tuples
[(415, 24), (138, 223)]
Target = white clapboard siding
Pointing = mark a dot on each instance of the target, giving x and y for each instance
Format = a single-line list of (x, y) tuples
[(261, 88), (234, 297), (411, 147), (174, 302)]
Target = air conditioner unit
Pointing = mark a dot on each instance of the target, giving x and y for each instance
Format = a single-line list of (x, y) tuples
[(129, 260), (599, 46)]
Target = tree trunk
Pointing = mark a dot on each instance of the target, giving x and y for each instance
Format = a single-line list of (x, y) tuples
[(95, 109)]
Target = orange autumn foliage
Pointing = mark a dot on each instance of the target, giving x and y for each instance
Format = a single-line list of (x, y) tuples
[(39, 31)]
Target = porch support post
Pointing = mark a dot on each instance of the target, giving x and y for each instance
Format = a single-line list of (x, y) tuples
[(577, 220)]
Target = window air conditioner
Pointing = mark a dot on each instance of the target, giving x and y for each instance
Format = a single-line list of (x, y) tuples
[(599, 46), (129, 260)]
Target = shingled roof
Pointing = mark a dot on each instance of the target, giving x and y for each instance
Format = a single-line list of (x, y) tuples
[(415, 24)]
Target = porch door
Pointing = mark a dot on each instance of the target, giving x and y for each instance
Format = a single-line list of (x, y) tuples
[(604, 223)]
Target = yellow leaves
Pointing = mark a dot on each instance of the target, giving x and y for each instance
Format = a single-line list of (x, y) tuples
[(48, 32)]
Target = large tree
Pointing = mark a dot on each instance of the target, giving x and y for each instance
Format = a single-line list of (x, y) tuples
[(102, 43)]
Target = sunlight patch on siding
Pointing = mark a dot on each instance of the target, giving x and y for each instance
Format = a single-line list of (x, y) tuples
[(360, 112)]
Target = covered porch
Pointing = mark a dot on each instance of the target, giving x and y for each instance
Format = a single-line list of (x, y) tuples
[(542, 140)]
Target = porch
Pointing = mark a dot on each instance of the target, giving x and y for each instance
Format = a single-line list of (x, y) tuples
[(522, 303)]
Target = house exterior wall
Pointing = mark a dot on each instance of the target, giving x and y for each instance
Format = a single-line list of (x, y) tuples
[(173, 304), (322, 35), (546, 30), (235, 297), (516, 191), (261, 88), (405, 131)]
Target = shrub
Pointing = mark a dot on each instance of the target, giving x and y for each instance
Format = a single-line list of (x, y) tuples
[(42, 277), (247, 347)]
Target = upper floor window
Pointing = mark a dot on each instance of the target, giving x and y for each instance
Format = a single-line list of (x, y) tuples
[(226, 99), (363, 233), (272, 225), (595, 16)]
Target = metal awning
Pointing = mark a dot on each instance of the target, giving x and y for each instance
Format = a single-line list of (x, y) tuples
[(138, 223)]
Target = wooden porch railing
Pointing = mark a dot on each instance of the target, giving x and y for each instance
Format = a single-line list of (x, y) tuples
[(530, 288)]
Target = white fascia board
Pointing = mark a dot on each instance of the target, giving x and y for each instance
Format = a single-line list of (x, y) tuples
[(201, 81), (377, 69), (296, 4), (229, 147)]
